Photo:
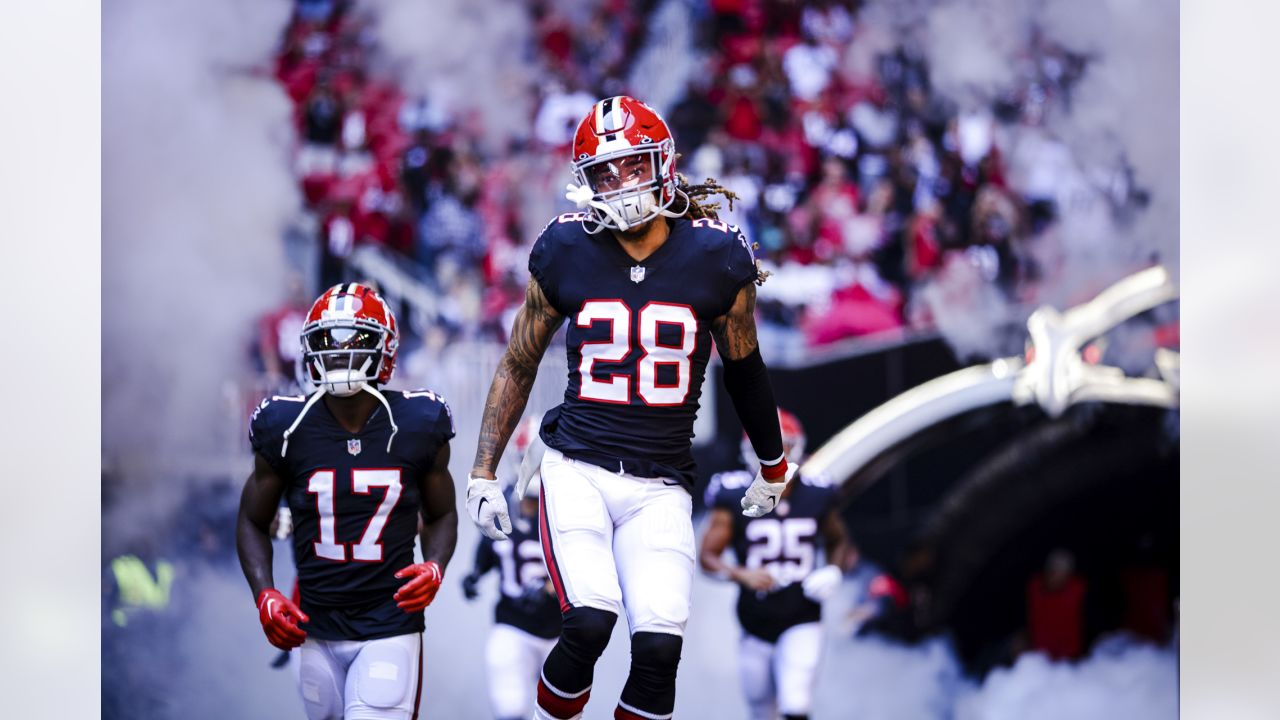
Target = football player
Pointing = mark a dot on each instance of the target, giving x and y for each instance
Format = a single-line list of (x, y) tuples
[(646, 278), (527, 616), (779, 605), (358, 466)]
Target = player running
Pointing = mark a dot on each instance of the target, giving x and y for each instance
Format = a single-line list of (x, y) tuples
[(357, 466), (526, 619), (646, 278), (779, 605)]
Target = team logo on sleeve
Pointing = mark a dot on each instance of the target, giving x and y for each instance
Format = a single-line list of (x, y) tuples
[(353, 446), (637, 273)]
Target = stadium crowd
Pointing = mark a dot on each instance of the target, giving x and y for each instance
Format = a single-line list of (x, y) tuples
[(858, 181)]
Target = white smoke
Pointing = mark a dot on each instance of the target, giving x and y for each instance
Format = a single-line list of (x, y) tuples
[(663, 66), (1121, 679), (196, 191), (874, 678), (1122, 114), (870, 677), (469, 59)]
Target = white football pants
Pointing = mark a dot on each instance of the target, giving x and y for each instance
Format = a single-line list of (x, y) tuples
[(361, 679), (616, 542), (778, 677), (514, 659)]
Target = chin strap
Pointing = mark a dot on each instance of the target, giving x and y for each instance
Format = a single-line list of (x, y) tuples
[(687, 204), (298, 420), (284, 449), (394, 429)]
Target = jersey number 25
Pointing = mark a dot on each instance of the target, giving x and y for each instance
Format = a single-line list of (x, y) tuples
[(617, 389)]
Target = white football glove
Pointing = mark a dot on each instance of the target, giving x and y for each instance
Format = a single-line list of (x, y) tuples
[(531, 465), (822, 583), (762, 496), (485, 504)]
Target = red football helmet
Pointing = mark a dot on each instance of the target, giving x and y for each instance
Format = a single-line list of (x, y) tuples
[(792, 440), (349, 339), (623, 151)]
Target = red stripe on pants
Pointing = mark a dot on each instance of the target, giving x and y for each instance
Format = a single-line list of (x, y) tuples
[(553, 569), (417, 694)]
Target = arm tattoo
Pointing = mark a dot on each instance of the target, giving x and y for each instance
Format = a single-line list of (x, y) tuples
[(535, 323), (735, 331)]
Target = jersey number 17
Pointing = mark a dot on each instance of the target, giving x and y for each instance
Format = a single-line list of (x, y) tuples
[(368, 549)]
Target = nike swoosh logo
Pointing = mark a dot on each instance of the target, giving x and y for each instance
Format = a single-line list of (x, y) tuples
[(480, 505), (675, 482)]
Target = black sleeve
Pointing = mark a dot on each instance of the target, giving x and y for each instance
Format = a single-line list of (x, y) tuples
[(486, 558), (444, 427), (747, 381)]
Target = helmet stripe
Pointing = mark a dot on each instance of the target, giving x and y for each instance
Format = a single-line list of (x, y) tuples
[(619, 114), (600, 111), (611, 116)]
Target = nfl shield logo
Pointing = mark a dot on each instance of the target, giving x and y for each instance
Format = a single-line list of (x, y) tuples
[(353, 447), (637, 274)]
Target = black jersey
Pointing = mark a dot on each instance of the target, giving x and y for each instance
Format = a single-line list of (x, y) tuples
[(786, 542), (638, 338), (524, 601), (355, 505)]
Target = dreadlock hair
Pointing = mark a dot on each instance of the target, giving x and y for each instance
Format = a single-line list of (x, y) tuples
[(700, 208)]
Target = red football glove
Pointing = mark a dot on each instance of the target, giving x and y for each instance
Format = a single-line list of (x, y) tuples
[(280, 618), (421, 590)]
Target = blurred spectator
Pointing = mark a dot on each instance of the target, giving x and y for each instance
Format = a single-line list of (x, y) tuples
[(844, 158), (692, 117), (278, 333), (1055, 608), (808, 66), (337, 239), (743, 118), (1148, 606), (558, 117), (451, 228), (832, 208), (828, 22)]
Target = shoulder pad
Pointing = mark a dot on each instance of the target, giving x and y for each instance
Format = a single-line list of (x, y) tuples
[(730, 253), (547, 257), (274, 410), (561, 226), (268, 422), (714, 235), (428, 411)]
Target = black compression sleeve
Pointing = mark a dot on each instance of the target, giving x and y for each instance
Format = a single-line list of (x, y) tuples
[(747, 381)]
